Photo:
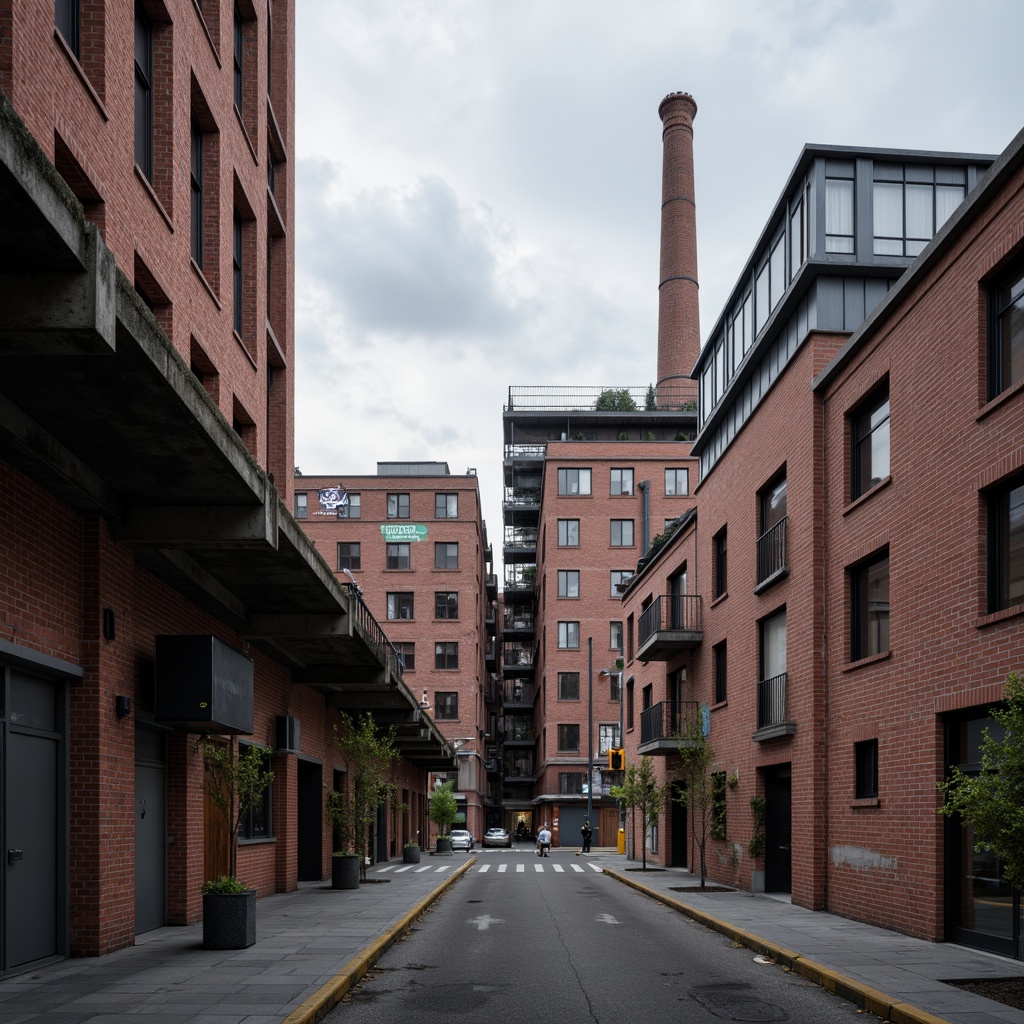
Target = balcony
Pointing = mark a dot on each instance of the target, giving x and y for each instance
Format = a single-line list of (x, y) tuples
[(491, 582), (491, 653), (518, 769), (517, 622), (517, 659), (662, 725), (518, 694), (772, 722), (520, 580), (672, 624), (771, 555), (519, 731)]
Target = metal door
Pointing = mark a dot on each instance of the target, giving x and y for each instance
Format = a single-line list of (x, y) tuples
[(678, 850), (778, 876), (150, 831), (310, 833)]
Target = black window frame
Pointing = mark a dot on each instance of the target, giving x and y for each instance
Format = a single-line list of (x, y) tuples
[(565, 687), (446, 554), (196, 188), (612, 624), (446, 604), (406, 650), (565, 733), (393, 554), (863, 642), (399, 601), (442, 501), (721, 668), (1005, 544), (446, 705), (865, 759), (351, 559), (402, 509), (569, 630), (446, 655), (619, 526), (1005, 295), (354, 508), (238, 57), (720, 563), (676, 471), (237, 272), (258, 823), (566, 475), (301, 505), (865, 422), (615, 486), (67, 19), (565, 531), (143, 91)]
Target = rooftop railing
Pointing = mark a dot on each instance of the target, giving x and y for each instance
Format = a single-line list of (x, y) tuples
[(677, 397)]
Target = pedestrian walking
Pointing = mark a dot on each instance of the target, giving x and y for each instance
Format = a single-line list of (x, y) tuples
[(543, 841), (586, 831)]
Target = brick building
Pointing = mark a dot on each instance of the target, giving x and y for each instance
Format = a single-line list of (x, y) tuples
[(147, 184), (859, 608), (413, 540)]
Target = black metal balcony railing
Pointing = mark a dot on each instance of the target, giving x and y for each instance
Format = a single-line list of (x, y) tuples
[(517, 657), (521, 538), (518, 693), (519, 731), (525, 451), (771, 551), (516, 496), (667, 719), (682, 612), (375, 635), (522, 577), (771, 701), (520, 767), (517, 619)]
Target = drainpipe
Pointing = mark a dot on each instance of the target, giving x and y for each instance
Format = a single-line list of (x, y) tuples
[(645, 529)]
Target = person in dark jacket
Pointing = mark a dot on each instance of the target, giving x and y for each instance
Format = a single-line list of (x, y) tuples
[(586, 832)]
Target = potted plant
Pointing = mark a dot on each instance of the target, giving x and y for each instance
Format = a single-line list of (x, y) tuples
[(756, 847), (235, 781), (369, 757), (411, 852), (443, 810)]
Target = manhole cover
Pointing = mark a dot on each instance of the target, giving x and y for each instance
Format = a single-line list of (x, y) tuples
[(736, 1002)]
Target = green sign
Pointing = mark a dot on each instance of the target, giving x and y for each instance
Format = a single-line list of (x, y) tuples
[(403, 532)]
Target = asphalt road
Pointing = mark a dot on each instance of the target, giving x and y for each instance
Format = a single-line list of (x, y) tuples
[(553, 941)]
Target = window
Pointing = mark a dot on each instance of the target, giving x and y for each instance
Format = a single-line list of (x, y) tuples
[(607, 738), (718, 819), (615, 636), (239, 59), (869, 443), (771, 544), (237, 253), (400, 605), (797, 237), (574, 481), (568, 686), (629, 702), (67, 16), (677, 481), (568, 533), (619, 578), (350, 556), (773, 645), (721, 688), (196, 180), (301, 505), (568, 636), (865, 756), (353, 510), (719, 563), (622, 481), (446, 604), (258, 823), (569, 738), (839, 206), (568, 583), (398, 506), (446, 706), (911, 202), (622, 533), (143, 92), (446, 655), (571, 783), (869, 608), (446, 506), (446, 556), (398, 557), (1006, 332), (407, 653), (1006, 545)]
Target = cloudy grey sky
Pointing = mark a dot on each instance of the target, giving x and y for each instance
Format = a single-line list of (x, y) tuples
[(479, 184)]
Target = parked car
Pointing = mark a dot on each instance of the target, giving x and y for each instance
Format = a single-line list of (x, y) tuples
[(497, 837), (462, 839)]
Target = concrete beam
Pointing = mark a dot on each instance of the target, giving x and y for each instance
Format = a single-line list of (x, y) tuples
[(296, 626), (167, 526), (202, 579)]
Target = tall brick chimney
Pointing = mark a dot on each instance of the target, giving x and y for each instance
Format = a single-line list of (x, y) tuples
[(678, 307)]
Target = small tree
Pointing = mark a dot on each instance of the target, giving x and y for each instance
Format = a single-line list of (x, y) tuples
[(615, 400), (644, 796), (370, 756), (990, 802), (697, 757), (651, 401), (443, 808), (235, 782)]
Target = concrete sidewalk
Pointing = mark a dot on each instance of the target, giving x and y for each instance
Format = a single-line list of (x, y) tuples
[(312, 945)]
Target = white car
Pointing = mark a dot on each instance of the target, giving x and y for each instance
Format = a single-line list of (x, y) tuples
[(462, 839)]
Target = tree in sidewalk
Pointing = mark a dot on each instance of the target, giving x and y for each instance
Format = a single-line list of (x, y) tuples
[(697, 759), (991, 801), (370, 756), (234, 780), (443, 808), (644, 796)]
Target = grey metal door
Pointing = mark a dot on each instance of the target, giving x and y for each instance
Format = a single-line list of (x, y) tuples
[(31, 867), (150, 831)]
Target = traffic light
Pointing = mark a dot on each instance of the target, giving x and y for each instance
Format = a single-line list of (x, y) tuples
[(616, 759)]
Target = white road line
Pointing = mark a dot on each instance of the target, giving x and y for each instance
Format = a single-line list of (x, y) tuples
[(443, 867), (596, 867), (558, 868), (576, 867), (538, 867), (387, 867), (520, 868), (501, 868), (408, 867), (484, 867)]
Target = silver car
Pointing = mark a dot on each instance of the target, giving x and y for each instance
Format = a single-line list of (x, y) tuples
[(462, 839)]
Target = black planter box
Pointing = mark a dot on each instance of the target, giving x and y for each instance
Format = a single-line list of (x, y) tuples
[(229, 920), (345, 872)]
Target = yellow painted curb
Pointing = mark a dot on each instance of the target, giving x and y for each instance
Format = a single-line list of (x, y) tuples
[(856, 992), (321, 1002)]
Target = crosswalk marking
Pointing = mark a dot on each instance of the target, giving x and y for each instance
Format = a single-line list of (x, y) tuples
[(538, 867), (484, 868), (398, 871), (501, 868), (520, 868), (576, 867), (558, 868)]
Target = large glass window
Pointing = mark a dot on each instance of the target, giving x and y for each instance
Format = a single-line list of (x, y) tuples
[(446, 706), (911, 202), (773, 646), (258, 822), (574, 481), (354, 508), (446, 655), (1006, 332), (398, 506), (143, 92), (569, 636), (446, 604), (568, 533), (839, 206), (568, 686), (569, 738), (677, 482), (568, 583), (621, 481), (869, 607), (398, 556), (400, 605), (1006, 545), (350, 556), (619, 578), (446, 506), (446, 556), (869, 443), (622, 533)]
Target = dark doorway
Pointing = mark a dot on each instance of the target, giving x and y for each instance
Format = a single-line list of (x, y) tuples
[(679, 853), (310, 845), (778, 872), (150, 830)]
